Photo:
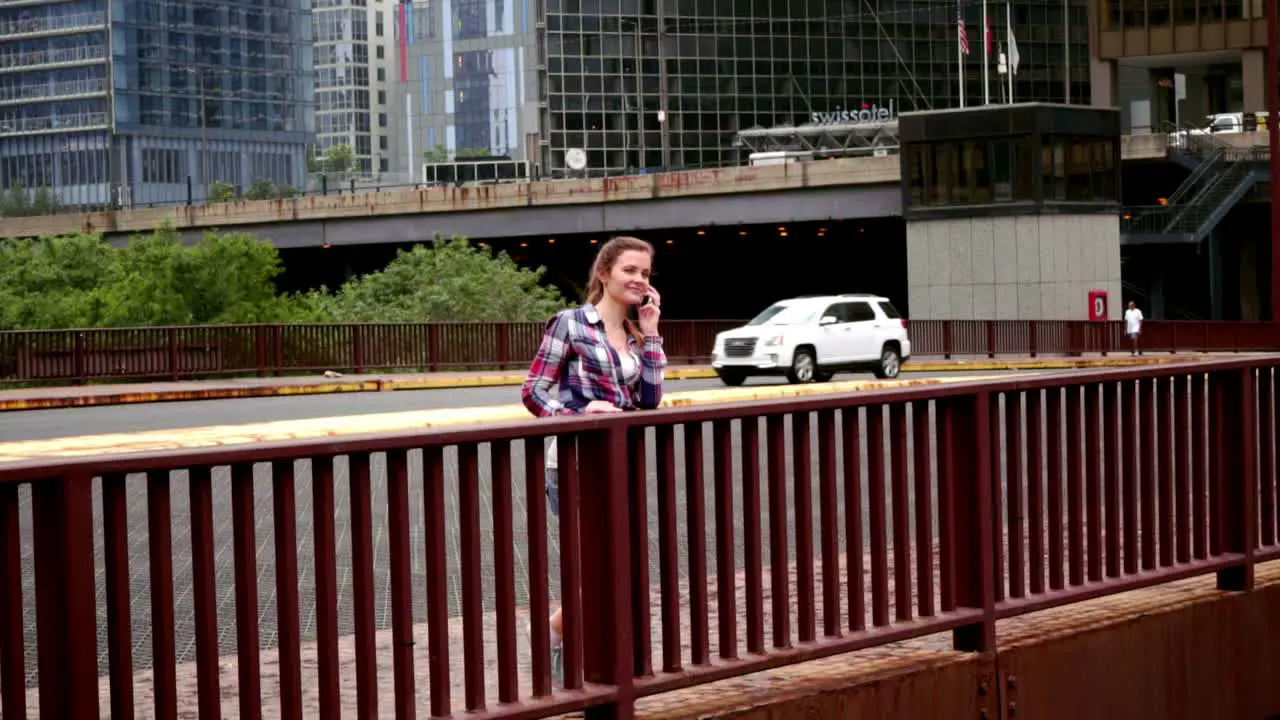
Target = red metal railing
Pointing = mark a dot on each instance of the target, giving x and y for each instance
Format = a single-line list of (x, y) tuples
[(809, 527), (189, 352)]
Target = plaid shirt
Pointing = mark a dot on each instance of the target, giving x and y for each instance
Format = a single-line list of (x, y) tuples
[(576, 355)]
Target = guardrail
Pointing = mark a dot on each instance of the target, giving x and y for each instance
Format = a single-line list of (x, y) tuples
[(885, 515), (77, 356)]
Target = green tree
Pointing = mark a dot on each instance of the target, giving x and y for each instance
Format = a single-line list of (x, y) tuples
[(51, 282), (336, 160), (262, 189), (437, 154), (157, 279), (448, 280), (220, 192), (18, 201)]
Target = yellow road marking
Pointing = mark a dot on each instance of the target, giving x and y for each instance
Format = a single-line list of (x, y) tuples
[(345, 425)]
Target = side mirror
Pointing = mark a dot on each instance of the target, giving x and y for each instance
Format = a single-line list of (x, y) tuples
[(828, 320)]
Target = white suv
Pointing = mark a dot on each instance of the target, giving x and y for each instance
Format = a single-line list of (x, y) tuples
[(809, 339)]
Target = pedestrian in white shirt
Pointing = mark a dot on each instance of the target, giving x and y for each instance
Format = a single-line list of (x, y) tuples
[(1133, 327)]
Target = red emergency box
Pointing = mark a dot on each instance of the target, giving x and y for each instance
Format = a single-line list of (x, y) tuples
[(1098, 306)]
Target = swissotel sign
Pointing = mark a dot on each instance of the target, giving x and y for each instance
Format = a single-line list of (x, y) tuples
[(865, 114)]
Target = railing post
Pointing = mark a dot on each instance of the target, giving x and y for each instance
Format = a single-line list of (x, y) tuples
[(277, 362), (78, 359), (172, 338), (260, 349), (606, 567), (504, 345), (966, 448), (991, 338), (433, 347), (948, 346), (357, 348), (1032, 325), (1233, 469), (66, 613)]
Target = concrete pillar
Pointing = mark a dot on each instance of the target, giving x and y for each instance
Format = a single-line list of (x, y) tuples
[(1102, 83), (1031, 267), (1253, 71), (1250, 305), (997, 249)]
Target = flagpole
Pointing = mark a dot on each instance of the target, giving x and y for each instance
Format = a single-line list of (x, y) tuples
[(986, 55), (960, 51), (1008, 19)]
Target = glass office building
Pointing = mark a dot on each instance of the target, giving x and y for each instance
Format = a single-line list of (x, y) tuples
[(466, 86), (154, 99), (646, 84)]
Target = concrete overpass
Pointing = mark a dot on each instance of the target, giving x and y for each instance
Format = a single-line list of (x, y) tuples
[(847, 188)]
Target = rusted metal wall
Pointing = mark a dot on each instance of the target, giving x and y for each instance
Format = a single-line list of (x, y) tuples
[(1214, 659)]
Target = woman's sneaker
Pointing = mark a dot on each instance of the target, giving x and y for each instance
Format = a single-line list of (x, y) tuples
[(557, 665), (557, 656)]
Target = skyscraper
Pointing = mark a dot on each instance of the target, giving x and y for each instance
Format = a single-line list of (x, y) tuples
[(354, 54), (151, 100), (646, 84)]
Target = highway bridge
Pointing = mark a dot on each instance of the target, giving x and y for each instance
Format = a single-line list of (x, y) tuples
[(849, 188)]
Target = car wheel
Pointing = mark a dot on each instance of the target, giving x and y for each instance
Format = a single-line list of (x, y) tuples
[(890, 363), (803, 367), (732, 379)]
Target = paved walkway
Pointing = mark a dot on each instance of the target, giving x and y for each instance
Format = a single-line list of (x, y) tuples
[(36, 398)]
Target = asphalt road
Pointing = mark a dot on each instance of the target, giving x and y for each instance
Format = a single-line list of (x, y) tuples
[(70, 422), (54, 423)]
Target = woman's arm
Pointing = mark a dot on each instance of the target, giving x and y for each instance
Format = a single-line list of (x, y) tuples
[(546, 370), (653, 360)]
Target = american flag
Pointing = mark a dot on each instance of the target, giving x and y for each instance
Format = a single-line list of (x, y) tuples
[(964, 34)]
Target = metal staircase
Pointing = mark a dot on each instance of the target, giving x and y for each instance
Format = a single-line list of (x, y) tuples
[(1220, 177)]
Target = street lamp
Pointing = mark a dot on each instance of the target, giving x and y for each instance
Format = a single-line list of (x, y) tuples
[(204, 139)]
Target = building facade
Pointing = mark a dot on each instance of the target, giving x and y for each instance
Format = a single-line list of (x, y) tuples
[(1140, 46), (142, 102), (354, 54), (643, 84)]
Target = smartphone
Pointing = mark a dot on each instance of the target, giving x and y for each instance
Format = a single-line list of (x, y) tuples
[(646, 300)]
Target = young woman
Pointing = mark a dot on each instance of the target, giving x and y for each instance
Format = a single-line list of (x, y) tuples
[(599, 359)]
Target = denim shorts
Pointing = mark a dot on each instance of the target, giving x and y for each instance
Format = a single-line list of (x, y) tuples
[(553, 490)]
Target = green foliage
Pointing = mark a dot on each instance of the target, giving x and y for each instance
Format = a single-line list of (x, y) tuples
[(18, 201), (473, 153), (222, 192), (267, 189), (437, 154), (337, 159), (447, 280), (80, 281)]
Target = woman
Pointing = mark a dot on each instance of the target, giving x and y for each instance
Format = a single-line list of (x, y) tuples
[(599, 359)]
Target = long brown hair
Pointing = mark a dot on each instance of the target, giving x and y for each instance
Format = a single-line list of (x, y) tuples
[(603, 265)]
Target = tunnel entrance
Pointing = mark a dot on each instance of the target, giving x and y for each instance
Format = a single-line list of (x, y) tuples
[(726, 272)]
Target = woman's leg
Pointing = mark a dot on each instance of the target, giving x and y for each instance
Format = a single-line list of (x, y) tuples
[(557, 618)]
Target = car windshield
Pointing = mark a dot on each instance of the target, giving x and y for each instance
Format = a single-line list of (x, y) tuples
[(782, 314)]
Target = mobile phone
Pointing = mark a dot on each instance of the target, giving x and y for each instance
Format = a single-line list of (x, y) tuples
[(646, 300)]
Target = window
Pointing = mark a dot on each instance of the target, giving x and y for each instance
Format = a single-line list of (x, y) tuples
[(861, 312), (976, 171), (1001, 171), (839, 311), (889, 310), (1078, 158)]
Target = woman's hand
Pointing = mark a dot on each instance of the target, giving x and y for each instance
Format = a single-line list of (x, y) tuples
[(649, 313), (596, 407)]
